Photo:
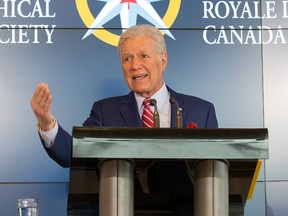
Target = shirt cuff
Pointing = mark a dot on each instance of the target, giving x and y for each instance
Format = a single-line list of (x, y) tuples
[(49, 136)]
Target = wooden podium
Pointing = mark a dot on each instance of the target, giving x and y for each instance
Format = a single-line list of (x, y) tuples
[(222, 164)]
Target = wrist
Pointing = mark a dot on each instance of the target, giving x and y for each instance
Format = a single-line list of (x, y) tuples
[(48, 126)]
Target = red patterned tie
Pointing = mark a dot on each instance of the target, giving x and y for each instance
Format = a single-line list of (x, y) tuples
[(147, 115)]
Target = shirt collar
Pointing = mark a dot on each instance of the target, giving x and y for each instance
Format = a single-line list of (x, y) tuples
[(161, 96)]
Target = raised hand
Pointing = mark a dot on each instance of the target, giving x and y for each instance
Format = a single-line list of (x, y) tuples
[(40, 104)]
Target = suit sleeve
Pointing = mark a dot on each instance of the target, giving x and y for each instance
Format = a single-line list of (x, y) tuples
[(211, 118), (61, 151)]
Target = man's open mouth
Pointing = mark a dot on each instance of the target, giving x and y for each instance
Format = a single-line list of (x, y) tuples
[(139, 76)]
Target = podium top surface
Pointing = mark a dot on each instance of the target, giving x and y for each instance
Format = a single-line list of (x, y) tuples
[(169, 143)]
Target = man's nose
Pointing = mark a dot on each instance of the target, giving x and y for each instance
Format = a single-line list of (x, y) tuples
[(136, 64)]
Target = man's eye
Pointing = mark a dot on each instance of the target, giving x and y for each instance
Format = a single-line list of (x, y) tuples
[(144, 56), (127, 58)]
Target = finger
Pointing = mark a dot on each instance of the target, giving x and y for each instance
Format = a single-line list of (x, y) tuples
[(46, 100), (37, 91), (47, 105), (45, 97), (42, 94), (34, 103), (40, 101)]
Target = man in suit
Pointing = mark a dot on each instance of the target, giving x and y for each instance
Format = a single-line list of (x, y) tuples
[(143, 57)]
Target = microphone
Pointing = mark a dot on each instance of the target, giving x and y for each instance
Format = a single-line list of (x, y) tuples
[(178, 113), (153, 102)]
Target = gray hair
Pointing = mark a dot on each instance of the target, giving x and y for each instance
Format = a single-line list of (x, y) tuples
[(144, 30)]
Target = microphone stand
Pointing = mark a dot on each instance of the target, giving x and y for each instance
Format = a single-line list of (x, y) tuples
[(156, 118), (179, 123)]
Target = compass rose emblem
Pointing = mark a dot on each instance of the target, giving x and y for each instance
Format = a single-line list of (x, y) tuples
[(128, 10)]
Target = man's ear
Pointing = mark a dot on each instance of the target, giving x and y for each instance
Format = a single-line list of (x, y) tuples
[(164, 61)]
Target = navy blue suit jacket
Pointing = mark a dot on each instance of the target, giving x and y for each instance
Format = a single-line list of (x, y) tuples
[(122, 111)]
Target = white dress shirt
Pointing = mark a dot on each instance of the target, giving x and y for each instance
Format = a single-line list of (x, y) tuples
[(163, 105)]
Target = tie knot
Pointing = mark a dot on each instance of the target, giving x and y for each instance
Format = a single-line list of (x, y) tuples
[(147, 101)]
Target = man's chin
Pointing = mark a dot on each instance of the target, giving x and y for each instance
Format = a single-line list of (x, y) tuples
[(142, 92)]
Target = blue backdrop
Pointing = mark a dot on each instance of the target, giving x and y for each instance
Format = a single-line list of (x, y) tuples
[(244, 78)]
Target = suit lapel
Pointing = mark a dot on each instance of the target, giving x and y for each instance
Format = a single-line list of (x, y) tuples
[(130, 112)]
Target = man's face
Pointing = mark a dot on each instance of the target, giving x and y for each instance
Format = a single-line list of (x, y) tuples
[(143, 66)]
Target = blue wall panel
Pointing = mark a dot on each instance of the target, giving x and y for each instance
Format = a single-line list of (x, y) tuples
[(257, 205)]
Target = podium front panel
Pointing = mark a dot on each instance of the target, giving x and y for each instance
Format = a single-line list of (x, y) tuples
[(169, 143)]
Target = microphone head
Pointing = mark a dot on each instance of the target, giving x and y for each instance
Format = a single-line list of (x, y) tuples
[(172, 100), (153, 102)]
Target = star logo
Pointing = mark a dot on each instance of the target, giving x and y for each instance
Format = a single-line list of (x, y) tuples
[(128, 10)]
